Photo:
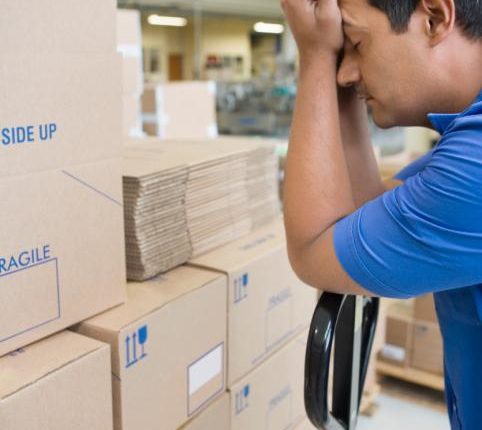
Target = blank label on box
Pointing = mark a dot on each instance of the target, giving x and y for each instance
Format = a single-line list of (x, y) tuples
[(34, 290), (205, 378)]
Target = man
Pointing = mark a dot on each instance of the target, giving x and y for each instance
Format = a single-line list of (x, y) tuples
[(417, 63)]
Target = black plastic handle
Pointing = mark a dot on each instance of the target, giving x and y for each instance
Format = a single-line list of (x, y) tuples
[(350, 323)]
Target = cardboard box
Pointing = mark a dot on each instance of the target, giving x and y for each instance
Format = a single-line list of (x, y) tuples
[(58, 111), (53, 26), (215, 417), (129, 33), (133, 78), (131, 116), (271, 396), (129, 44), (425, 309), (62, 224), (168, 348), (171, 109), (427, 351), (62, 382), (399, 332), (267, 303)]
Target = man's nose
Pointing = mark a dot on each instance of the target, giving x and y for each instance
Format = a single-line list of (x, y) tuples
[(348, 73)]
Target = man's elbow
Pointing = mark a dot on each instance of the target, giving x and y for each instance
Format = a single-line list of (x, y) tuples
[(299, 266)]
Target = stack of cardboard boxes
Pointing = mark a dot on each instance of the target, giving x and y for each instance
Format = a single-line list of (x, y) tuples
[(220, 341), (185, 198), (129, 44), (215, 344), (413, 338), (269, 310), (62, 256)]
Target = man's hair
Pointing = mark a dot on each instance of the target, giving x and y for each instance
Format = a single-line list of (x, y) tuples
[(468, 14)]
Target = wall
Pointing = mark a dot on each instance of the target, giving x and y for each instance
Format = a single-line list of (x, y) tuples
[(167, 40), (220, 37)]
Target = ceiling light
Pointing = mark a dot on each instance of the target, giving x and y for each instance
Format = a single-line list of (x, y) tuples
[(265, 27), (171, 21)]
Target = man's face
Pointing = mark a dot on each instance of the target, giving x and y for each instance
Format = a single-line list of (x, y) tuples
[(388, 69)]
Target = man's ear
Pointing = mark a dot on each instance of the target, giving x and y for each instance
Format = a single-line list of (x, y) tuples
[(439, 19)]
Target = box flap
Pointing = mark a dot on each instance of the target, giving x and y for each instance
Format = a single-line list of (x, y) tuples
[(30, 364), (242, 251), (149, 296)]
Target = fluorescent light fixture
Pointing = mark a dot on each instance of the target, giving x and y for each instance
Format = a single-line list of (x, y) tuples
[(266, 27), (171, 21)]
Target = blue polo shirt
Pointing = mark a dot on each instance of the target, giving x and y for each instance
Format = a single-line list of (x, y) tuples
[(425, 236)]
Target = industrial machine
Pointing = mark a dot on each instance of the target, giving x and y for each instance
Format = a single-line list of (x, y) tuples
[(255, 107)]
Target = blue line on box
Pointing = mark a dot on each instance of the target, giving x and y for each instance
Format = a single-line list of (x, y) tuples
[(92, 188)]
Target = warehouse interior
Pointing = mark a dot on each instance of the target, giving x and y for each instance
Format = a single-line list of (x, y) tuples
[(146, 283)]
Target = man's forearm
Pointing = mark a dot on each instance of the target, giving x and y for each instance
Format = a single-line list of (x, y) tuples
[(362, 167), (317, 187)]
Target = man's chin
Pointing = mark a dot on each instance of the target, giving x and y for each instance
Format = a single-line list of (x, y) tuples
[(382, 120)]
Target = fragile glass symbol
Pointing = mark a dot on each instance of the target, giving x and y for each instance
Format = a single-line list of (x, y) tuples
[(142, 332), (138, 337)]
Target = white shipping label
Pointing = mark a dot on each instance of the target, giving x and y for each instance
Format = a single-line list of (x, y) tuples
[(206, 368), (393, 352)]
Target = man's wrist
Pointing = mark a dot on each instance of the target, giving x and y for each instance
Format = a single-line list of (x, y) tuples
[(321, 59)]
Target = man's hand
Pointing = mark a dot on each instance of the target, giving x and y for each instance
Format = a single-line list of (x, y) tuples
[(316, 26)]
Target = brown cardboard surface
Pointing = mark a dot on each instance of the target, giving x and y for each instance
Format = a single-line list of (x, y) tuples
[(424, 309), (52, 26), (180, 367), (62, 254), (271, 396), (198, 188), (129, 44), (267, 303), (427, 351), (74, 100), (214, 417), (61, 382)]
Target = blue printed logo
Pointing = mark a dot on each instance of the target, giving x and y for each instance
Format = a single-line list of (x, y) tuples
[(241, 399), (241, 287), (135, 346)]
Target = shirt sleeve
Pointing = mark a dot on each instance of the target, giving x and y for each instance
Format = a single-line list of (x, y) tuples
[(425, 235)]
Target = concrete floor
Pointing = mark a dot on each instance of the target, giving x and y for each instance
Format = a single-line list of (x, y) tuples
[(403, 406)]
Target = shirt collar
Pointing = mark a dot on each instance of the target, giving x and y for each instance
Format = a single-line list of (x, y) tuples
[(441, 121)]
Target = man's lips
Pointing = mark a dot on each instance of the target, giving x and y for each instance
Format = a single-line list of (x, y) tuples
[(363, 96)]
